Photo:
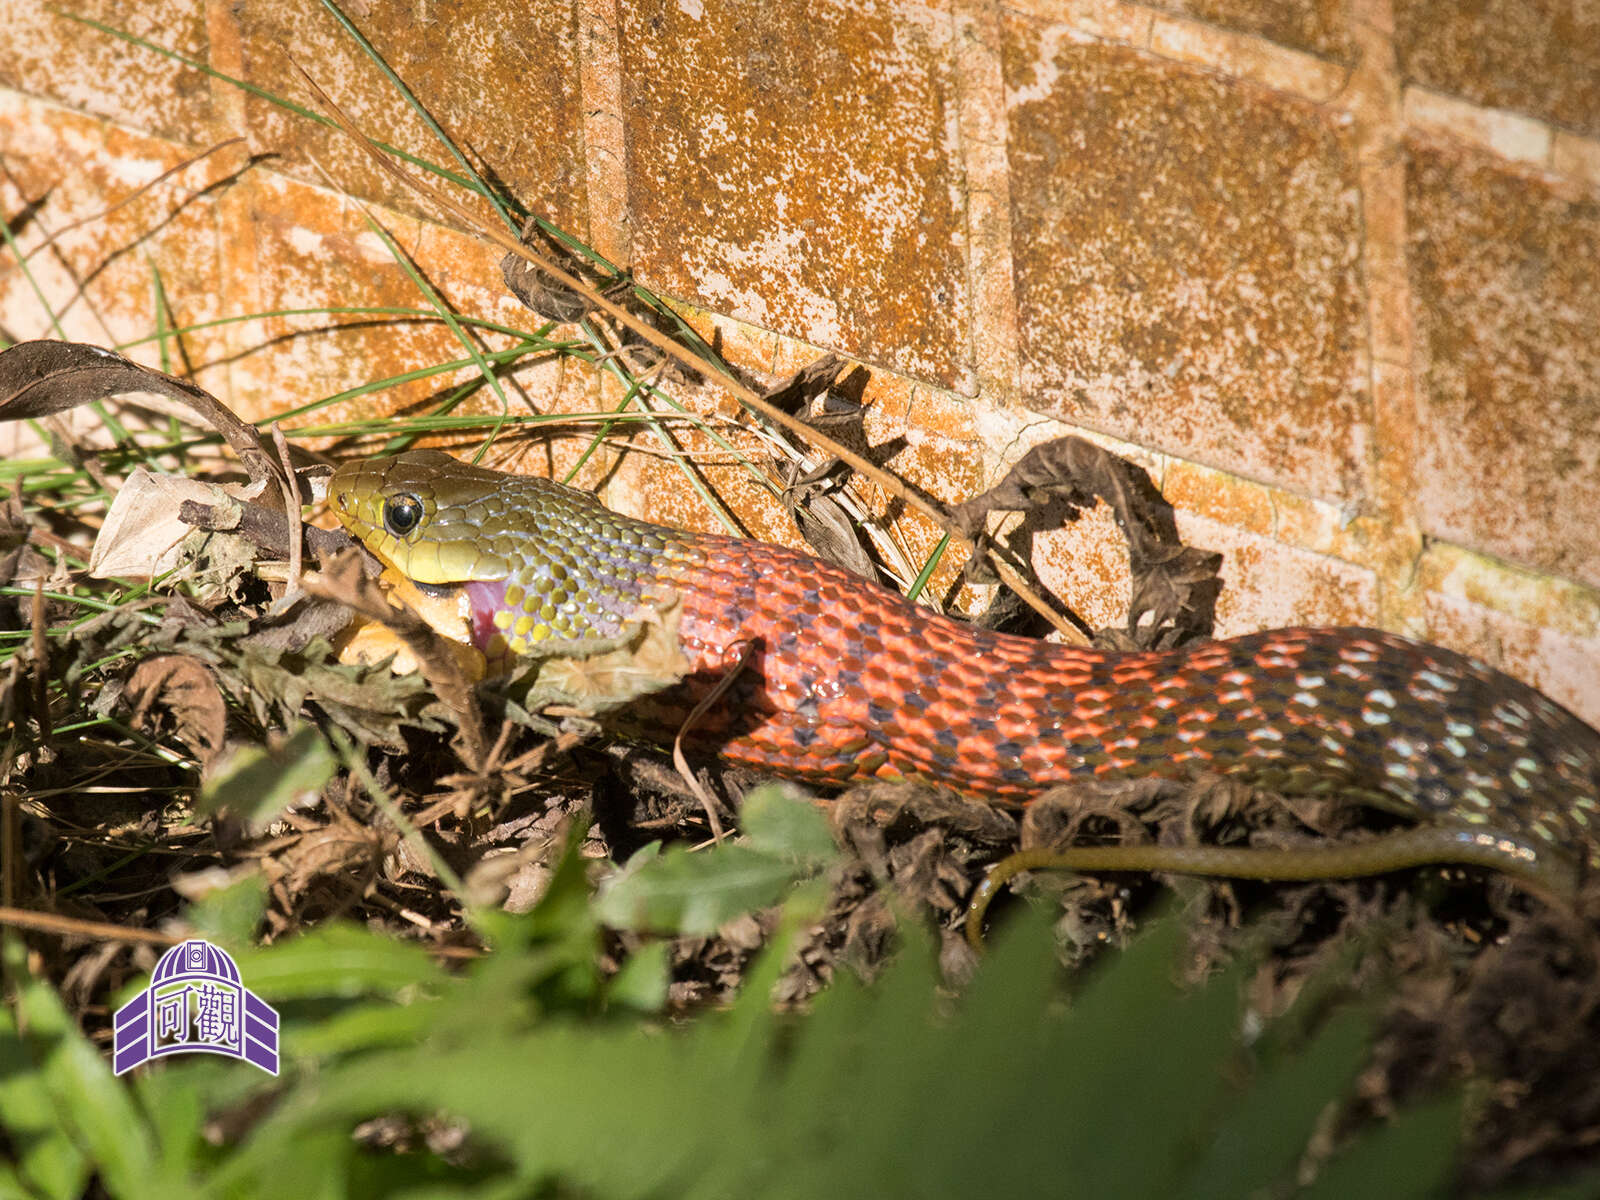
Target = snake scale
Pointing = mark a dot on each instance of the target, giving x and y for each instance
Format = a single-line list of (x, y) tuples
[(847, 681)]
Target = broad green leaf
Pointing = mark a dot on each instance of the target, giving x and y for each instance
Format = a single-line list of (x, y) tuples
[(48, 1161), (695, 893), (230, 915), (1410, 1158), (94, 1106), (260, 782), (788, 826), (337, 960), (642, 982), (1259, 1137)]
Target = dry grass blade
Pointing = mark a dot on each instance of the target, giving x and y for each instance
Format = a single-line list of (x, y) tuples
[(22, 918), (41, 664), (746, 396), (177, 169), (678, 760)]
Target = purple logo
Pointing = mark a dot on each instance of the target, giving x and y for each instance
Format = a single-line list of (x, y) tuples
[(196, 1004)]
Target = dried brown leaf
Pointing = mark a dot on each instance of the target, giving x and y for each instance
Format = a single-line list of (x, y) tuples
[(184, 687), (828, 527), (345, 581), (815, 377), (20, 563), (1174, 586), (646, 657), (538, 289), (143, 534), (38, 379)]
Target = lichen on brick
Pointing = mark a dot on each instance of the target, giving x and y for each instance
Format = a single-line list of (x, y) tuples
[(1187, 259)]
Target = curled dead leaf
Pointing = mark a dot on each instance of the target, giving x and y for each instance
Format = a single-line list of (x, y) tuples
[(187, 690), (41, 378), (438, 657), (1175, 587), (646, 657)]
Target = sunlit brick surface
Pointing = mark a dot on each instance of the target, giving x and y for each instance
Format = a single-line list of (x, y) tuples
[(796, 165), (1508, 315), (1539, 57), (1187, 262)]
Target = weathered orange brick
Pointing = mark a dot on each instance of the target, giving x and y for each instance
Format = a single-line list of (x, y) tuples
[(501, 79), (1187, 255), (1508, 336), (651, 483), (1267, 584), (1562, 665), (1237, 502), (1086, 564), (292, 246), (1319, 27), (744, 345), (794, 165), (98, 278), (46, 54), (1576, 157), (1248, 56), (1540, 57), (1506, 134)]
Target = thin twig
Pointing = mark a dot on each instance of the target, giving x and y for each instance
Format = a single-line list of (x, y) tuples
[(24, 918), (290, 484)]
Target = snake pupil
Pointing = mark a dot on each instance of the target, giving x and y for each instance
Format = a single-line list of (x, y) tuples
[(402, 514)]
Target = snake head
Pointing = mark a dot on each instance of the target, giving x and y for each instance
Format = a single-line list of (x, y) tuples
[(538, 562), (423, 513)]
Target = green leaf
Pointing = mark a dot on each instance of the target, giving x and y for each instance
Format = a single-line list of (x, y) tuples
[(1410, 1158), (229, 916), (1260, 1136), (1581, 1187), (48, 1162), (642, 982), (696, 893), (777, 822), (360, 1027), (94, 1108), (261, 782), (337, 960)]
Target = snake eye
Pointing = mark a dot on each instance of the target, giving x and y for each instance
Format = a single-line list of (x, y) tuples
[(402, 514)]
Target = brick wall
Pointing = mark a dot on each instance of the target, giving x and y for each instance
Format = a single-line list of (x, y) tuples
[(1329, 269)]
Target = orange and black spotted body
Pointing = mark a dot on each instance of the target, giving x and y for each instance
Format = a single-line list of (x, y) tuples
[(847, 681)]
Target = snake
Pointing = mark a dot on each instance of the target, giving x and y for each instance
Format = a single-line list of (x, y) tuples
[(845, 681)]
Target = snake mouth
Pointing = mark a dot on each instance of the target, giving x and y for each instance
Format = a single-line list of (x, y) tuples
[(438, 591)]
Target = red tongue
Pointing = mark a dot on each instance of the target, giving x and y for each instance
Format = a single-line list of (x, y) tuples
[(485, 599)]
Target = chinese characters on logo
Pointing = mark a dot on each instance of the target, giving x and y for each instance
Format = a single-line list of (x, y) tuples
[(196, 1003)]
